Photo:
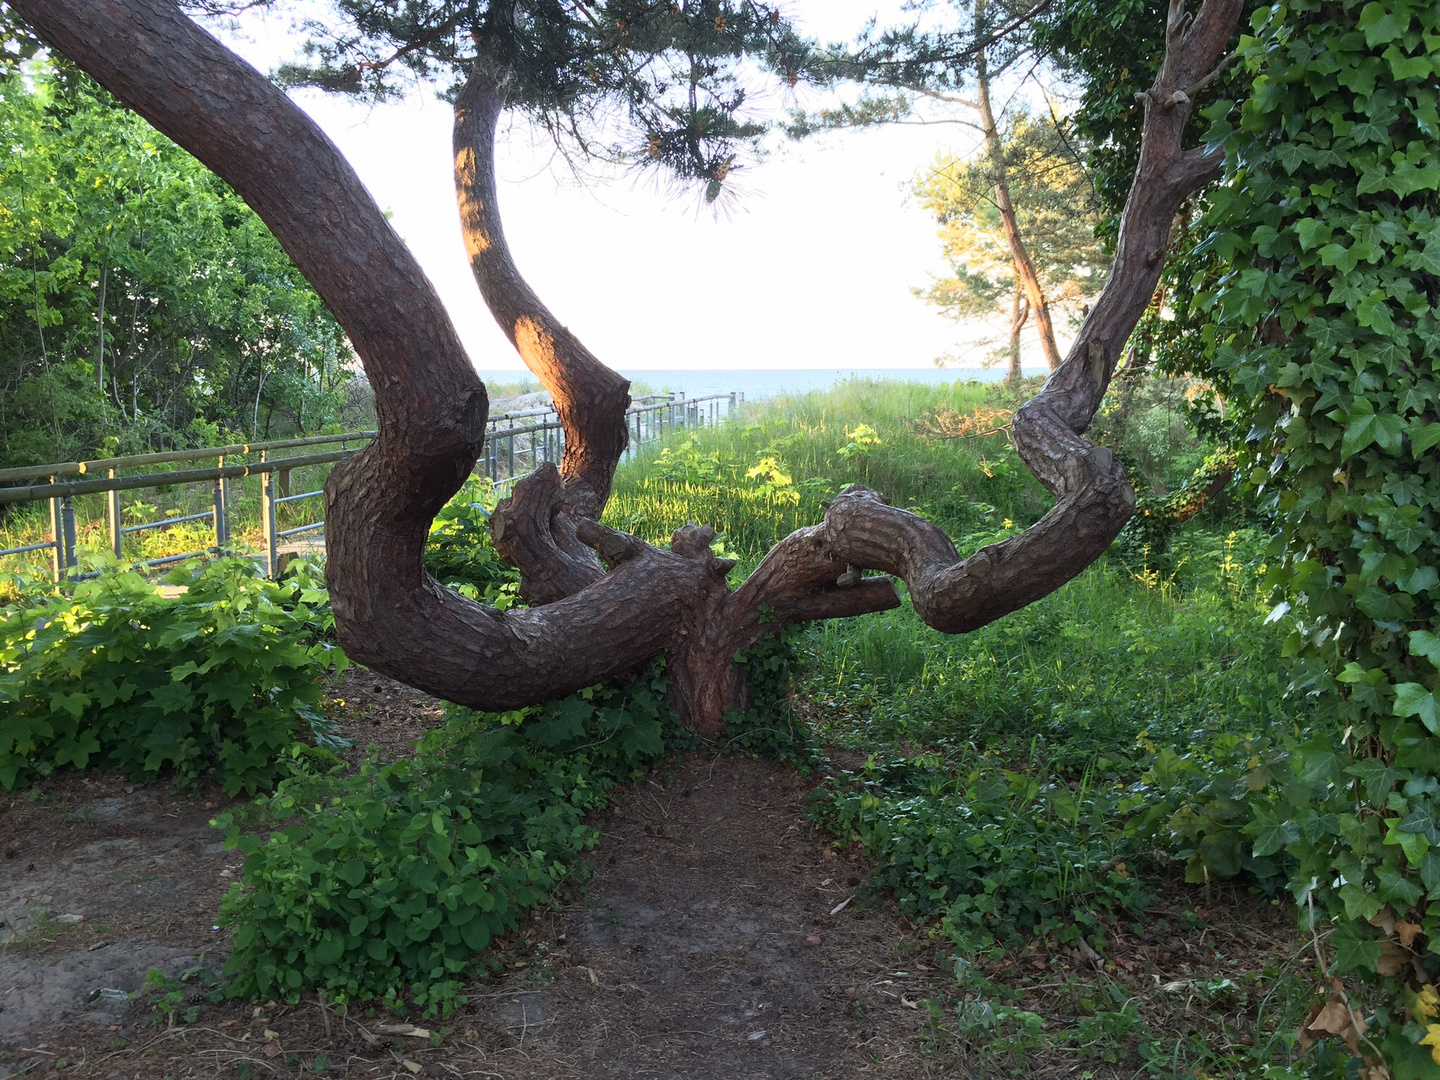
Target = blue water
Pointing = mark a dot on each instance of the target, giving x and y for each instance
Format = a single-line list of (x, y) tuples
[(762, 383)]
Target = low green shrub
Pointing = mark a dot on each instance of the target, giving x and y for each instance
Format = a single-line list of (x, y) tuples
[(998, 855), (111, 673), (461, 554), (392, 879)]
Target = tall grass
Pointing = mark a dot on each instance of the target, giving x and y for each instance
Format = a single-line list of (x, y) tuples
[(702, 477)]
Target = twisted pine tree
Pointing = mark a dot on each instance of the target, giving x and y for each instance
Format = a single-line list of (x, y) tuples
[(604, 601)]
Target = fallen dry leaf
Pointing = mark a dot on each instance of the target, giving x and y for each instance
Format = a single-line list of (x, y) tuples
[(1332, 1018), (403, 1029), (907, 1003), (1407, 932), (1394, 958), (413, 1066)]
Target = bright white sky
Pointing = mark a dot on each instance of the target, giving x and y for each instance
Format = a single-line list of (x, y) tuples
[(812, 269)]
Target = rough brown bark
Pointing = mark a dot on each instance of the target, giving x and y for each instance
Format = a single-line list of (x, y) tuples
[(432, 409)]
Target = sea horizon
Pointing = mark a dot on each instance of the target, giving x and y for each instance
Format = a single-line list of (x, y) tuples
[(767, 382)]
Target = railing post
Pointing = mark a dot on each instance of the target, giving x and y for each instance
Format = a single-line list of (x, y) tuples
[(67, 517), (57, 559), (222, 516), (267, 518), (112, 517), (282, 482)]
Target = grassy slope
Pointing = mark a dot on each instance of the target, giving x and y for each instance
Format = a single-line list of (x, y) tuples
[(1039, 783)]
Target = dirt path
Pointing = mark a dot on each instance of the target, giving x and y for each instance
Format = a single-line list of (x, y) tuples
[(703, 946)]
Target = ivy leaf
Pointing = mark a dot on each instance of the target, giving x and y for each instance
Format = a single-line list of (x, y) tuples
[(1353, 952), (1359, 434), (1419, 580), (1408, 67), (1380, 24), (1423, 437), (1412, 699), (1375, 313), (1396, 887), (1270, 833), (1377, 777), (1424, 643), (563, 720)]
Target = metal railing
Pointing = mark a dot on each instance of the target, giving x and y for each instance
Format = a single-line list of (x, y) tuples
[(541, 437), (516, 443)]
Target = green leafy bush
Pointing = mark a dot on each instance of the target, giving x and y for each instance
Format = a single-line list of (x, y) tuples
[(999, 855), (392, 879), (112, 673), (461, 554)]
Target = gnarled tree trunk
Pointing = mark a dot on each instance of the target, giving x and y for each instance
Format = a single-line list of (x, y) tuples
[(432, 407)]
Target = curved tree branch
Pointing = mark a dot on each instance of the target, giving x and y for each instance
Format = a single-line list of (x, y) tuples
[(590, 398)]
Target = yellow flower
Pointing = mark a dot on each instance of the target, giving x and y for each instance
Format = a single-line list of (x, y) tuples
[(1432, 1040)]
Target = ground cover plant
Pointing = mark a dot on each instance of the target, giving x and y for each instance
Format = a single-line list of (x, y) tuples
[(387, 882), (109, 672), (1041, 789)]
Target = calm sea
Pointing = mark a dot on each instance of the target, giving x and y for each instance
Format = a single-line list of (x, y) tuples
[(760, 383)]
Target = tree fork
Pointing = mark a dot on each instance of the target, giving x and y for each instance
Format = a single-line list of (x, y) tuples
[(432, 410)]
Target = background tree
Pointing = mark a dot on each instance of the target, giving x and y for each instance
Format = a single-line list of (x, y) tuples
[(978, 45), (432, 407), (142, 304), (1055, 212)]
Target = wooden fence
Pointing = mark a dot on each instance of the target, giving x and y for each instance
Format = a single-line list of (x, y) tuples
[(515, 443)]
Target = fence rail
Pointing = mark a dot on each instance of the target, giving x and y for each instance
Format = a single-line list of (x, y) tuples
[(515, 443)]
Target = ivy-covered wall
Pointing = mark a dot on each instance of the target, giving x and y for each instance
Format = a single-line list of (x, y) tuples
[(1322, 330)]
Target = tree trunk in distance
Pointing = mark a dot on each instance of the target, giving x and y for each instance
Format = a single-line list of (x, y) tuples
[(1025, 272), (1019, 311)]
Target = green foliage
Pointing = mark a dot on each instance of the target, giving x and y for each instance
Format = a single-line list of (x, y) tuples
[(669, 80), (173, 997), (392, 879), (113, 673), (804, 449), (1010, 773), (1055, 209), (770, 727), (1323, 328), (142, 303), (997, 854), (461, 554)]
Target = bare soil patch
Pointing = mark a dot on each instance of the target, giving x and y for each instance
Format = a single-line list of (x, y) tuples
[(703, 944), (718, 936)]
